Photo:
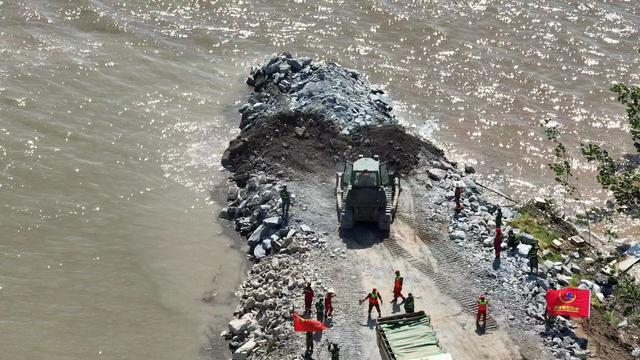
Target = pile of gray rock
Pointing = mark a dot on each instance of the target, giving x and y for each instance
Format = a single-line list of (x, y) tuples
[(256, 214), (254, 210), (286, 83), (559, 335), (286, 255), (291, 256), (262, 321)]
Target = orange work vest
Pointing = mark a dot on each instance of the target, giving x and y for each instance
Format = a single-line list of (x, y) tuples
[(398, 283), (373, 298)]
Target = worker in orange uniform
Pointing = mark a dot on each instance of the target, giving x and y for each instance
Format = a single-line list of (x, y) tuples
[(497, 242), (328, 302), (375, 299), (308, 298), (397, 287), (482, 310)]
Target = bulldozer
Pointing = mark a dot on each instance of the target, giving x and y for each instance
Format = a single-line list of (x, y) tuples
[(366, 191)]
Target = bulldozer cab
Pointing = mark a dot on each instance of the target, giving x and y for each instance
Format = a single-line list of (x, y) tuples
[(365, 173), (366, 191), (365, 178), (385, 180), (346, 175)]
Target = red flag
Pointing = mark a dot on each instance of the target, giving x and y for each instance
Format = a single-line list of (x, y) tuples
[(302, 324), (569, 302)]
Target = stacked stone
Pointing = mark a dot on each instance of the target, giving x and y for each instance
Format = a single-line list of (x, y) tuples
[(286, 83)]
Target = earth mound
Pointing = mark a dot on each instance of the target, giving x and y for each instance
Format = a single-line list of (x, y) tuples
[(293, 141)]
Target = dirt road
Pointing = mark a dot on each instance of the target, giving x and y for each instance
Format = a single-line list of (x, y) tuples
[(456, 329), (371, 263)]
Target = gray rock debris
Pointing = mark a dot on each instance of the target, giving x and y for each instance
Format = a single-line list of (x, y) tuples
[(473, 230), (262, 318), (243, 352), (437, 174), (285, 83)]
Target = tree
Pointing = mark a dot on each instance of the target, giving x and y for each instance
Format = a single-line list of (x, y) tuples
[(561, 166), (621, 176)]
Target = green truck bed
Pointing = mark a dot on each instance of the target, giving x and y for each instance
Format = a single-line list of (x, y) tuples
[(408, 337)]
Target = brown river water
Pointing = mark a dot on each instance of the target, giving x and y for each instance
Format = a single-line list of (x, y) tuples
[(114, 114)]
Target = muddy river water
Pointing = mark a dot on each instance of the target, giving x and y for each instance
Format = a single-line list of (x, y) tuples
[(114, 114)]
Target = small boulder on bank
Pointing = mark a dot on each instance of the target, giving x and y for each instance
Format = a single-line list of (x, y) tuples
[(523, 249), (469, 169), (243, 351), (237, 326), (273, 221), (437, 174)]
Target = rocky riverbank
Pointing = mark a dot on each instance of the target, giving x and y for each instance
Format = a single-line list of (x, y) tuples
[(518, 296)]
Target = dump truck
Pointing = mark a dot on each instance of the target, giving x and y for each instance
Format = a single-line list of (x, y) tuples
[(366, 191), (408, 337)]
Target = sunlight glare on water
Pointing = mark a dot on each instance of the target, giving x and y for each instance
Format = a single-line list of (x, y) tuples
[(114, 114)]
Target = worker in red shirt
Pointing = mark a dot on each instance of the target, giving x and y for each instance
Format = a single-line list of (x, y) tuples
[(397, 287), (497, 242), (375, 299), (482, 310), (328, 302), (308, 297), (458, 195)]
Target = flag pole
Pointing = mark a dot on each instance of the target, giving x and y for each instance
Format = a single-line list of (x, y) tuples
[(589, 321)]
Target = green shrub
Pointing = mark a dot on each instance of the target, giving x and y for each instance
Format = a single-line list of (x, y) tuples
[(609, 316), (574, 281), (531, 224), (620, 175), (628, 291), (595, 302), (554, 256)]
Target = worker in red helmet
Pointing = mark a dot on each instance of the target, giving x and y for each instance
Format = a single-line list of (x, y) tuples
[(397, 287), (482, 310), (375, 299)]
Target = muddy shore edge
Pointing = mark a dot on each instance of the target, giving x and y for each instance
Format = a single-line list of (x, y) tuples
[(303, 120)]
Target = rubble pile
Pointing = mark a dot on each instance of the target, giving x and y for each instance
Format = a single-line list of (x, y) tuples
[(326, 113), (284, 83), (291, 253), (262, 322), (254, 212)]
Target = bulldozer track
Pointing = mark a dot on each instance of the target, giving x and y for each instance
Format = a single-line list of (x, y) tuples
[(443, 252)]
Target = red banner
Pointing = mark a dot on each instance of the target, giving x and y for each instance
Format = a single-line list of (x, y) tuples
[(569, 302), (302, 324)]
